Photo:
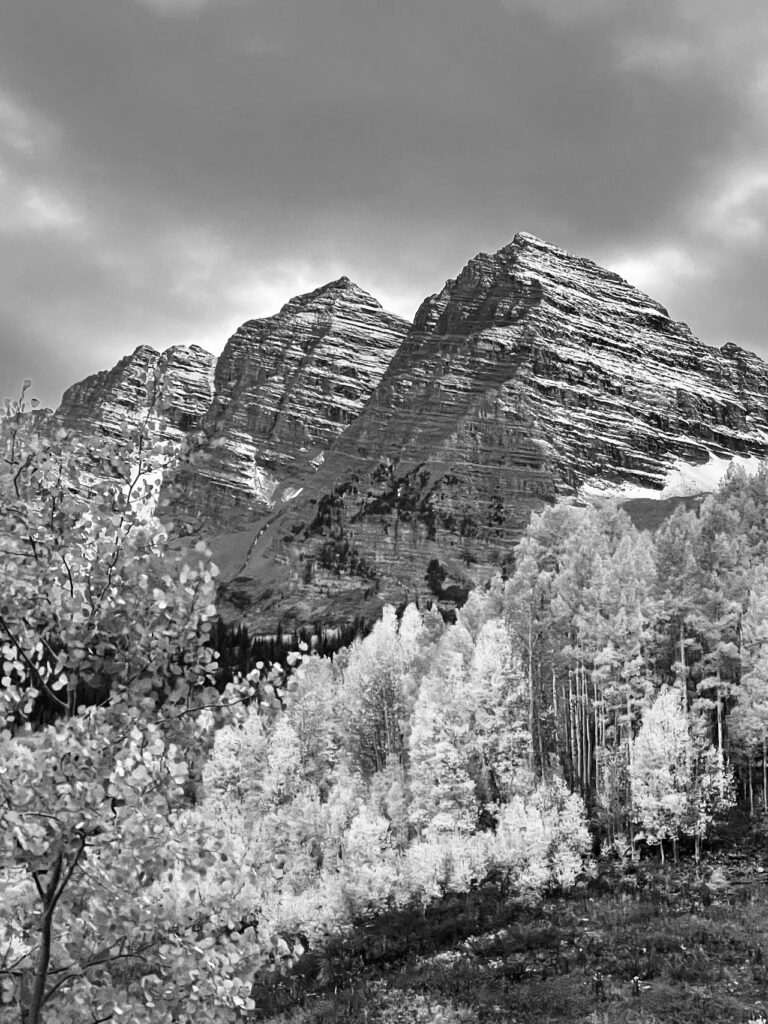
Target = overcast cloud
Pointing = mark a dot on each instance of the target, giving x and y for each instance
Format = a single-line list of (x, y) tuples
[(170, 168)]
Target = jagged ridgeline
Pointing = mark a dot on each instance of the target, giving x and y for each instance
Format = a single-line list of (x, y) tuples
[(340, 459)]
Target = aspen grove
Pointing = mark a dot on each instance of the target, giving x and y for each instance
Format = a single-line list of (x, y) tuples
[(169, 841)]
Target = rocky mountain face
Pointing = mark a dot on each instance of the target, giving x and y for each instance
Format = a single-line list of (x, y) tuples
[(284, 388), (171, 390), (165, 393), (533, 375), (341, 460)]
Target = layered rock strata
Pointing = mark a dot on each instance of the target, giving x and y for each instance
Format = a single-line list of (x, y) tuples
[(340, 460), (285, 387), (170, 391), (532, 374)]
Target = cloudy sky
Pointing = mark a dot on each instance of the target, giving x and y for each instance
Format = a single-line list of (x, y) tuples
[(170, 168)]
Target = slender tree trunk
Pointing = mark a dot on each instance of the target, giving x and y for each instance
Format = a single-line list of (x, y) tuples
[(587, 726), (720, 736), (569, 737), (587, 740), (577, 724), (577, 731), (34, 1012), (630, 759), (674, 848), (683, 680), (537, 719), (582, 730), (531, 716), (751, 796), (387, 737), (598, 740), (661, 847), (697, 847), (555, 710), (629, 729)]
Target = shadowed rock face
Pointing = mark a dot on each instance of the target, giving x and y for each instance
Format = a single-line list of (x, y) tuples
[(285, 387), (533, 373)]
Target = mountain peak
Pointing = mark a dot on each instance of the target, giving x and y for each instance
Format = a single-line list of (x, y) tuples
[(285, 387), (527, 238), (341, 290), (339, 284)]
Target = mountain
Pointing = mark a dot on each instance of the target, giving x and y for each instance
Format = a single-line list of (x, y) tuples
[(284, 388), (340, 459), (533, 375)]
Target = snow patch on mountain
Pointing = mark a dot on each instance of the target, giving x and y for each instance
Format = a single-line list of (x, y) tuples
[(682, 480)]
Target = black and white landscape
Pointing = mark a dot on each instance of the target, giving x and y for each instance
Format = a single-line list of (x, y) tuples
[(378, 649)]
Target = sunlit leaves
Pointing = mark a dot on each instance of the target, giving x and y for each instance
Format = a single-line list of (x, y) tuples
[(101, 801), (107, 626), (93, 598), (678, 782)]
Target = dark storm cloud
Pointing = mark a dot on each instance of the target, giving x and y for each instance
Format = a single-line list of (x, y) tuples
[(170, 167)]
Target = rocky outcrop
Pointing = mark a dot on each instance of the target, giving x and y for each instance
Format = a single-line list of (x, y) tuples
[(532, 375), (285, 387), (170, 390)]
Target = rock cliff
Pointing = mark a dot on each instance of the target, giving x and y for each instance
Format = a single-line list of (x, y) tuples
[(285, 387), (172, 390), (535, 374)]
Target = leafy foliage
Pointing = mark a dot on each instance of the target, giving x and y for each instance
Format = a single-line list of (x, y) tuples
[(106, 631), (93, 600), (90, 824), (167, 848)]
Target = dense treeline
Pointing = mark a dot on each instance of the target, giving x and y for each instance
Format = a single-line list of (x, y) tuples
[(392, 774), (604, 616), (600, 619)]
